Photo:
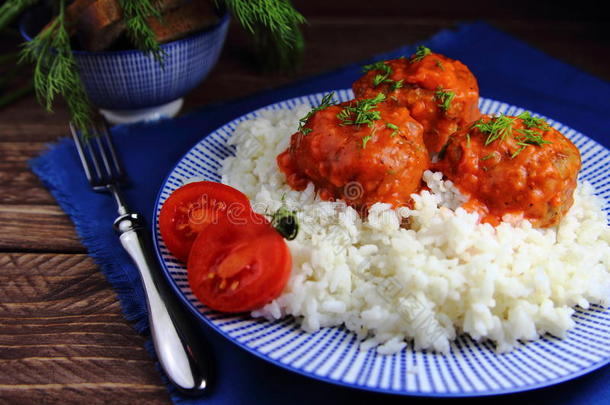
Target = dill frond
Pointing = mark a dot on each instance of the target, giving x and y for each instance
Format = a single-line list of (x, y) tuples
[(275, 26), (55, 70), (327, 101), (135, 14)]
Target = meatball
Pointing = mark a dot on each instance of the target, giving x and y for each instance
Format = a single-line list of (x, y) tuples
[(440, 93), (513, 165), (363, 151)]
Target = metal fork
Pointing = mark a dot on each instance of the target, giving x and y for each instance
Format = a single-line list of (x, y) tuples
[(180, 350)]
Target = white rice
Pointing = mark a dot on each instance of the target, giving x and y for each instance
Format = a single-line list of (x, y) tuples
[(445, 275)]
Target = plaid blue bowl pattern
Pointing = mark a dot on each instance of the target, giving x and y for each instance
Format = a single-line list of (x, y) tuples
[(126, 80)]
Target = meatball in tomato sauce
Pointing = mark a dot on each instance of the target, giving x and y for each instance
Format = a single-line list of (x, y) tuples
[(513, 165), (363, 151), (442, 94)]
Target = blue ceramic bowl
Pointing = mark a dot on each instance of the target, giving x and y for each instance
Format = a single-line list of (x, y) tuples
[(131, 79)]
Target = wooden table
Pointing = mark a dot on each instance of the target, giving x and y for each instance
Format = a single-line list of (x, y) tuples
[(62, 335)]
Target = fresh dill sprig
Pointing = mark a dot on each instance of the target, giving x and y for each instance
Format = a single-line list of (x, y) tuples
[(361, 111), (439, 64), (444, 98), (530, 135), (275, 26), (499, 127), (386, 71), (326, 102), (379, 65), (533, 122), (397, 85), (55, 71), (420, 53), (274, 23), (384, 75), (135, 15)]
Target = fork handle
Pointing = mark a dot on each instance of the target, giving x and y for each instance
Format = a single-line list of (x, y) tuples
[(179, 349)]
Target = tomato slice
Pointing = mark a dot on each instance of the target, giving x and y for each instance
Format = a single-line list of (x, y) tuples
[(193, 207), (236, 267)]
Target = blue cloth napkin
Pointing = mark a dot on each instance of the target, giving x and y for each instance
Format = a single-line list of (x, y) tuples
[(507, 70)]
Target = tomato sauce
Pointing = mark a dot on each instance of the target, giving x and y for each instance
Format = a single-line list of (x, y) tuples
[(360, 164), (423, 83), (512, 176)]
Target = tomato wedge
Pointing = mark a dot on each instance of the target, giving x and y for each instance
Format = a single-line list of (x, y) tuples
[(192, 208), (237, 267)]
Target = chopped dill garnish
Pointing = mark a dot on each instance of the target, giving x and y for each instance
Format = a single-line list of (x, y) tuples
[(533, 122), (365, 140), (488, 156), (499, 127), (361, 111), (380, 65), (397, 85), (529, 134), (393, 127), (444, 98), (383, 76), (537, 140), (439, 64), (420, 54), (326, 102), (516, 153)]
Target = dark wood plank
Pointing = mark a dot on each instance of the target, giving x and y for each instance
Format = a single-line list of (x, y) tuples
[(62, 336), (19, 184), (89, 393), (38, 228)]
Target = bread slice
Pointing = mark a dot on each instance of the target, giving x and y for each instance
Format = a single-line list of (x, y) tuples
[(72, 13), (184, 20), (100, 24)]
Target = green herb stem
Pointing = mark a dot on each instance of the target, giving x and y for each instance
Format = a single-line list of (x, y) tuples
[(420, 53), (327, 101), (275, 26), (136, 14), (361, 111), (500, 127), (444, 98), (55, 70)]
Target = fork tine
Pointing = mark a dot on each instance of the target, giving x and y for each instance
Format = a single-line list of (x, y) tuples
[(104, 157), (118, 168), (92, 155), (81, 153)]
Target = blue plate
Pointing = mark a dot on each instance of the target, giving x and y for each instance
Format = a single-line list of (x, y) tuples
[(333, 354)]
